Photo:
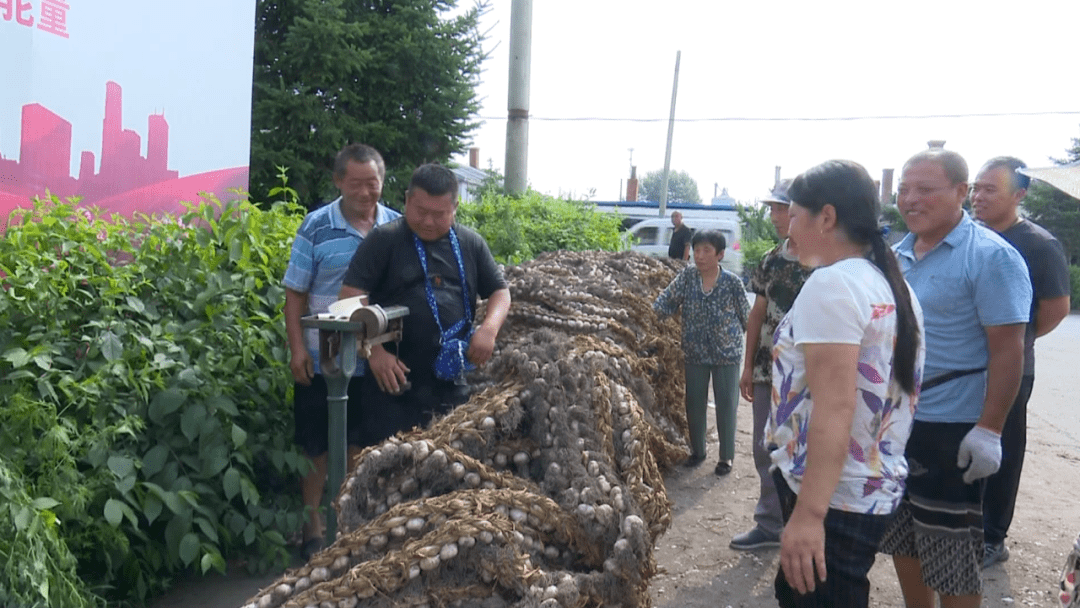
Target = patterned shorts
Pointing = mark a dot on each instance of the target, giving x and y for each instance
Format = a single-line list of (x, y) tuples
[(939, 522)]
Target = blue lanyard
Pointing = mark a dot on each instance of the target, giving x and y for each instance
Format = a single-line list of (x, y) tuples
[(461, 323)]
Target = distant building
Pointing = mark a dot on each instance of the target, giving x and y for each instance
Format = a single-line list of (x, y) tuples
[(470, 178), (469, 181), (724, 200)]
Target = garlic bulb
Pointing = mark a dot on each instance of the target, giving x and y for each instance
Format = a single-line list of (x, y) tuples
[(449, 551), (457, 470)]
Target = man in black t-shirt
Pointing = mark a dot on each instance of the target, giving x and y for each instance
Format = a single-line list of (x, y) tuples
[(679, 248), (996, 197), (425, 261)]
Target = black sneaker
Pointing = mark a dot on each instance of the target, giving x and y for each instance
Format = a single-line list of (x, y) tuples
[(994, 553), (754, 539), (722, 468)]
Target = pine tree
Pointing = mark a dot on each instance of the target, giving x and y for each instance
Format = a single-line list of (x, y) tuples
[(399, 75), (1056, 211)]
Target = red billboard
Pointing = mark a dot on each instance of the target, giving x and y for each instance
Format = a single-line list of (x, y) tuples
[(129, 105)]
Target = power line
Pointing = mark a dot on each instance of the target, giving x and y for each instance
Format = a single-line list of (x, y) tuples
[(794, 118)]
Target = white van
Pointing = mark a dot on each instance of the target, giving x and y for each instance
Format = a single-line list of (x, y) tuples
[(652, 237)]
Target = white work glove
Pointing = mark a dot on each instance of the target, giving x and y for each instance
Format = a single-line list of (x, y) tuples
[(981, 448)]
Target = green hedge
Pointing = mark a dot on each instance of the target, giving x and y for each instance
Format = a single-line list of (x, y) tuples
[(144, 393), (144, 429), (753, 251), (36, 567), (518, 229), (758, 235)]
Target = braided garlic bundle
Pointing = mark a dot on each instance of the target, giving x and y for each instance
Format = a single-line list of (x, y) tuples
[(545, 489)]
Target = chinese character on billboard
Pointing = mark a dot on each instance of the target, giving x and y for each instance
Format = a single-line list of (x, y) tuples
[(130, 105)]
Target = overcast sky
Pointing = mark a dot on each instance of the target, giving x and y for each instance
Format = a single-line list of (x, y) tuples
[(773, 60)]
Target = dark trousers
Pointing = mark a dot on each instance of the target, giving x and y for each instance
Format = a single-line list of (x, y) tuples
[(999, 499), (311, 415), (851, 543), (386, 415), (725, 381)]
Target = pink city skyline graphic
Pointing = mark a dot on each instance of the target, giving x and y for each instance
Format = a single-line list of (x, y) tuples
[(125, 181)]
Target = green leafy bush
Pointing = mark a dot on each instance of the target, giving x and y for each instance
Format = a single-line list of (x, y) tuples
[(753, 251), (758, 235), (36, 567), (520, 228), (145, 389), (755, 224), (890, 216)]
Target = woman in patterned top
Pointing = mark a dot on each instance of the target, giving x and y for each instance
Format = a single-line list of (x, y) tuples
[(847, 360), (714, 313)]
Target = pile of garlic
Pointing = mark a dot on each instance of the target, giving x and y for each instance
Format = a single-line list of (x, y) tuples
[(545, 489)]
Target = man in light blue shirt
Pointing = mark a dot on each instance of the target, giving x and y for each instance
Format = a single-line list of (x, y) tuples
[(324, 245), (976, 298)]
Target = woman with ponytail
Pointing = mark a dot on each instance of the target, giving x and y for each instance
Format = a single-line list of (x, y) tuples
[(847, 364)]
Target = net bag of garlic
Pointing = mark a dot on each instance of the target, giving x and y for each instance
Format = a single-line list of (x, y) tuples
[(545, 489)]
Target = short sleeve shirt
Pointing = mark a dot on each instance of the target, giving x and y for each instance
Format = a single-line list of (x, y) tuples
[(971, 280), (387, 267), (679, 240), (713, 323), (849, 302), (778, 278), (1049, 272), (324, 244)]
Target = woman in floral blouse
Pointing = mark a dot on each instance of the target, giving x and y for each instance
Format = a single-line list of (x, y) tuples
[(847, 360), (714, 311)]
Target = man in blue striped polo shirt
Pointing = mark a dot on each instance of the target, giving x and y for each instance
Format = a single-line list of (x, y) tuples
[(324, 245)]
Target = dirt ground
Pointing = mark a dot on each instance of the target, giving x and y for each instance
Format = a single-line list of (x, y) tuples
[(699, 569)]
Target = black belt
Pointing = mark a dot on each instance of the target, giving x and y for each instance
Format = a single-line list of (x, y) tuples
[(953, 375)]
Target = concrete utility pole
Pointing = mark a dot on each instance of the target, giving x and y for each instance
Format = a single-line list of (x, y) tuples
[(517, 120), (670, 132)]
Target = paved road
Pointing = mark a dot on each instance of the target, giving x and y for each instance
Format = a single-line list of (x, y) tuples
[(1057, 378)]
